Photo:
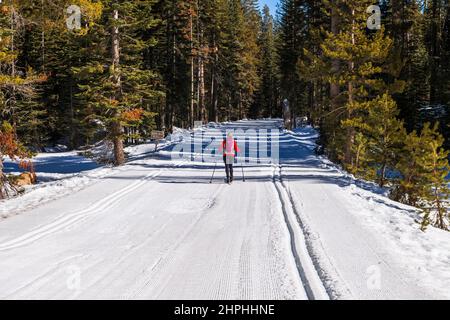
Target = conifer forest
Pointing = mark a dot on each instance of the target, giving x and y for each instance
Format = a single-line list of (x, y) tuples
[(373, 77)]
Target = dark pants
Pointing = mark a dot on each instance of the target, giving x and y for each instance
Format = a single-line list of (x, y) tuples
[(229, 160)]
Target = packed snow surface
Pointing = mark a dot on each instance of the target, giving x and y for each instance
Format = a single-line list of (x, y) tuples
[(157, 229)]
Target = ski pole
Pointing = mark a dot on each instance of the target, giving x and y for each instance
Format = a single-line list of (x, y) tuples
[(212, 177), (243, 176)]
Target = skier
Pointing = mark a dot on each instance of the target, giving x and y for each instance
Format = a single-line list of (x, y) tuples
[(230, 150)]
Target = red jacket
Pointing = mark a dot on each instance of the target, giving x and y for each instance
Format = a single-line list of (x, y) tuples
[(223, 148)]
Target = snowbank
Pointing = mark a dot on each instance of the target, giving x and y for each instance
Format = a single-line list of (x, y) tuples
[(61, 174), (355, 230)]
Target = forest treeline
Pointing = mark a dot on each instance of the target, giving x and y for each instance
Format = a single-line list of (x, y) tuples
[(379, 97)]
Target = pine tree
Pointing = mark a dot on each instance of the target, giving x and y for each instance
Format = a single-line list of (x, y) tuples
[(40, 115), (230, 57), (266, 101), (423, 166), (16, 82), (446, 76), (292, 40), (433, 11), (436, 169), (251, 58), (115, 82), (215, 14), (405, 24), (364, 164), (212, 60), (362, 57), (382, 138), (410, 188)]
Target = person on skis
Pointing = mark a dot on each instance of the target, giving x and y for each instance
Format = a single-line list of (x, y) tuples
[(230, 149)]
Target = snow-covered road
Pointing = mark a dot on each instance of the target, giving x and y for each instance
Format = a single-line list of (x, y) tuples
[(157, 229)]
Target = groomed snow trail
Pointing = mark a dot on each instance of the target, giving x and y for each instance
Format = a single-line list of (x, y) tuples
[(156, 229)]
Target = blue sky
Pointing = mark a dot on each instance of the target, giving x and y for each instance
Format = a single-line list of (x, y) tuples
[(271, 3)]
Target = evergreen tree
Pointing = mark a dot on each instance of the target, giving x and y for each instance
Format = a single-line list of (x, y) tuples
[(446, 76), (231, 56), (424, 167), (292, 40), (362, 57), (405, 24), (381, 137), (436, 170), (249, 80), (115, 82), (266, 101)]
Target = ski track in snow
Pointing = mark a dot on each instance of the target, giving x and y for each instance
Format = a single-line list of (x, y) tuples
[(156, 229)]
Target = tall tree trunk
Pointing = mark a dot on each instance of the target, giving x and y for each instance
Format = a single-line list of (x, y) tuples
[(214, 84), (73, 143), (435, 53), (212, 92), (172, 69), (201, 67), (43, 37), (348, 158), (334, 87), (116, 126), (191, 62), (12, 100), (201, 80), (201, 84)]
